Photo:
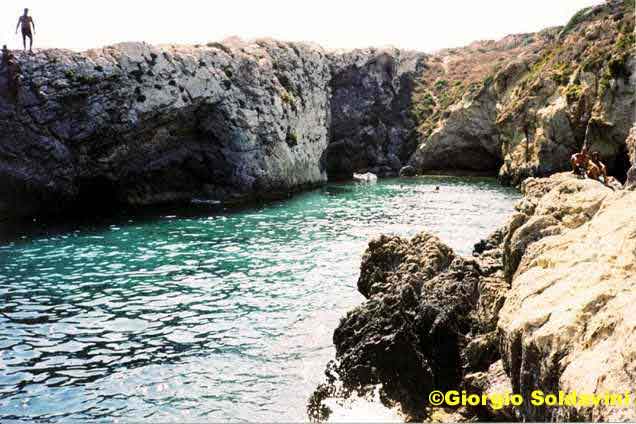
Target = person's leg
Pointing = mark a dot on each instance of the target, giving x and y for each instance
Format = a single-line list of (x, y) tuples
[(24, 41), (31, 42)]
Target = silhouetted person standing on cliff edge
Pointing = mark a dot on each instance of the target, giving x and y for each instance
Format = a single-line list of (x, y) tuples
[(28, 28)]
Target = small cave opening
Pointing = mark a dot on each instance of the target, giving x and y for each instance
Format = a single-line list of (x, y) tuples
[(96, 195), (621, 165)]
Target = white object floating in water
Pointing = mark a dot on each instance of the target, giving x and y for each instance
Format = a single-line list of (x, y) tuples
[(205, 202), (365, 178)]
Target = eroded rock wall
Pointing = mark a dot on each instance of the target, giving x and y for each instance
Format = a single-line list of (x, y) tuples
[(232, 121), (372, 128), (522, 106), (140, 124)]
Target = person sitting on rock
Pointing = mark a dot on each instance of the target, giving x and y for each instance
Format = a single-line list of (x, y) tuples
[(28, 29), (597, 169), (6, 55), (579, 162), (10, 67)]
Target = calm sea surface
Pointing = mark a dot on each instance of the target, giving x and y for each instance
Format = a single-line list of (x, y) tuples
[(206, 316)]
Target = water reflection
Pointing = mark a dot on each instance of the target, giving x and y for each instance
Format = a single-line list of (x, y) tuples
[(189, 316)]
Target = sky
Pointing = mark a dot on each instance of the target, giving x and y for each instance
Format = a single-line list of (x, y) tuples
[(424, 25)]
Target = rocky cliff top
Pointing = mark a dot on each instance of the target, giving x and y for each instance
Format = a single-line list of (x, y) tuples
[(538, 101)]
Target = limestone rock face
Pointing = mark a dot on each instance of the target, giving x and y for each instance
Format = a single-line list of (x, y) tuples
[(495, 382), (457, 102), (232, 121), (567, 323), (467, 140), (372, 129), (578, 92), (139, 124), (522, 106)]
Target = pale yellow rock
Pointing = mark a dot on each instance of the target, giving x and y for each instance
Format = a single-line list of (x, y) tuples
[(570, 316)]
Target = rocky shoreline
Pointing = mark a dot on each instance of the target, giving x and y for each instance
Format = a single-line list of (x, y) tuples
[(544, 303)]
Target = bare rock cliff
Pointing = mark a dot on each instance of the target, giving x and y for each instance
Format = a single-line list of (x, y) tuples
[(138, 124)]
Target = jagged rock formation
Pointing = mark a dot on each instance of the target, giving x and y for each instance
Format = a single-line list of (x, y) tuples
[(429, 317), (407, 335), (545, 303)]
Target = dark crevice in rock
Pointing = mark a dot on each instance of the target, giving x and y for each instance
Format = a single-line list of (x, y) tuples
[(622, 164), (371, 129), (96, 194)]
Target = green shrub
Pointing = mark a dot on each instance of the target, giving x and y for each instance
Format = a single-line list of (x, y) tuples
[(561, 74), (292, 138), (287, 97), (625, 42), (441, 84), (573, 93), (575, 20)]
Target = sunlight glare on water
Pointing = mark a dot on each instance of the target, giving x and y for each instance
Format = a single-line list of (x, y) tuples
[(206, 317)]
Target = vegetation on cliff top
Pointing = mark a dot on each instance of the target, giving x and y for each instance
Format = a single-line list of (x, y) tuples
[(596, 40)]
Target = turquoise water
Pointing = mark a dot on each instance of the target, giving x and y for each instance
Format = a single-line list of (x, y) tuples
[(193, 316)]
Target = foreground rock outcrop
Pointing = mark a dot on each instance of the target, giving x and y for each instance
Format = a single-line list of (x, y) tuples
[(407, 336), (545, 303), (428, 319), (567, 323)]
